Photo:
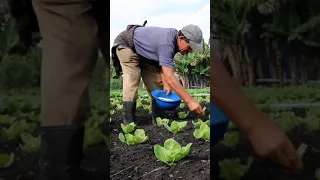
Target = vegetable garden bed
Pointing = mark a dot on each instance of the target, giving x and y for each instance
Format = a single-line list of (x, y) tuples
[(140, 162), (302, 126), (20, 142), (19, 118), (301, 123)]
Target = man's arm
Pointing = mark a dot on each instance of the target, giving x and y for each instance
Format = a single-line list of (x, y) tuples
[(172, 81), (164, 82), (166, 54), (228, 96)]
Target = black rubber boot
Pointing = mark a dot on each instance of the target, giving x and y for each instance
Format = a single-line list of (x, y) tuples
[(156, 111), (61, 153), (129, 112)]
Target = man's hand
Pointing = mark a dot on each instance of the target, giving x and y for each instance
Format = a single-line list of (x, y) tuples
[(268, 140), (194, 106)]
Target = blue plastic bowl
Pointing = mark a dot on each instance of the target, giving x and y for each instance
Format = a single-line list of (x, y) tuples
[(167, 102), (218, 124)]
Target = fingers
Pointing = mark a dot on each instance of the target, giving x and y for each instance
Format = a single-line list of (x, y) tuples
[(282, 158), (288, 157), (168, 91), (293, 157), (199, 111)]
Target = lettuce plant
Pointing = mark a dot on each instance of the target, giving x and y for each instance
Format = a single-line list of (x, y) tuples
[(6, 160), (139, 136), (203, 132), (200, 122), (161, 122), (92, 136), (31, 144), (232, 169), (176, 126), (171, 152), (182, 105), (17, 128), (183, 115), (128, 128), (312, 123), (139, 103), (112, 112), (6, 119), (119, 107), (231, 138)]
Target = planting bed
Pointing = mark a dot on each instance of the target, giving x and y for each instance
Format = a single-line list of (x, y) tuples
[(19, 117), (140, 162), (302, 126)]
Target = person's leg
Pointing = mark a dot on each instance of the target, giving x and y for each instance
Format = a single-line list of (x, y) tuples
[(150, 73), (129, 62), (70, 49)]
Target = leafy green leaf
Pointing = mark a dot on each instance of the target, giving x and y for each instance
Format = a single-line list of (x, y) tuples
[(128, 128), (176, 126), (232, 169), (231, 138), (203, 132), (139, 136), (183, 115), (200, 122), (171, 152), (122, 138), (6, 160), (160, 152), (161, 122), (31, 144)]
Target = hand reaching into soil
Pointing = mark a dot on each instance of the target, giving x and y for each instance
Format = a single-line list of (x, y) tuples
[(268, 140), (194, 106)]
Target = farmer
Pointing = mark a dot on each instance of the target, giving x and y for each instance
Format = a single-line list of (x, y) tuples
[(148, 52), (73, 32), (267, 139)]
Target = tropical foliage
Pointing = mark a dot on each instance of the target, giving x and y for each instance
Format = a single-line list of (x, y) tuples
[(267, 38), (194, 68)]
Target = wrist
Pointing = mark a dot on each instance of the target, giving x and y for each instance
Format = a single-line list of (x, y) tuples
[(188, 100), (254, 121)]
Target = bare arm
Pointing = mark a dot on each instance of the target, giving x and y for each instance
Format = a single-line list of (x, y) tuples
[(226, 94), (172, 81), (164, 82)]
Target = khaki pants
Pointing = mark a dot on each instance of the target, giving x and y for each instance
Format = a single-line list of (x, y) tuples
[(134, 67), (71, 30)]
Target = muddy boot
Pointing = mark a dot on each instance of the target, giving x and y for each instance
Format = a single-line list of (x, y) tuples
[(61, 152), (129, 112), (156, 111)]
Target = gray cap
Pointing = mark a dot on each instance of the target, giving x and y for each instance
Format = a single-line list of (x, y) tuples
[(194, 34)]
